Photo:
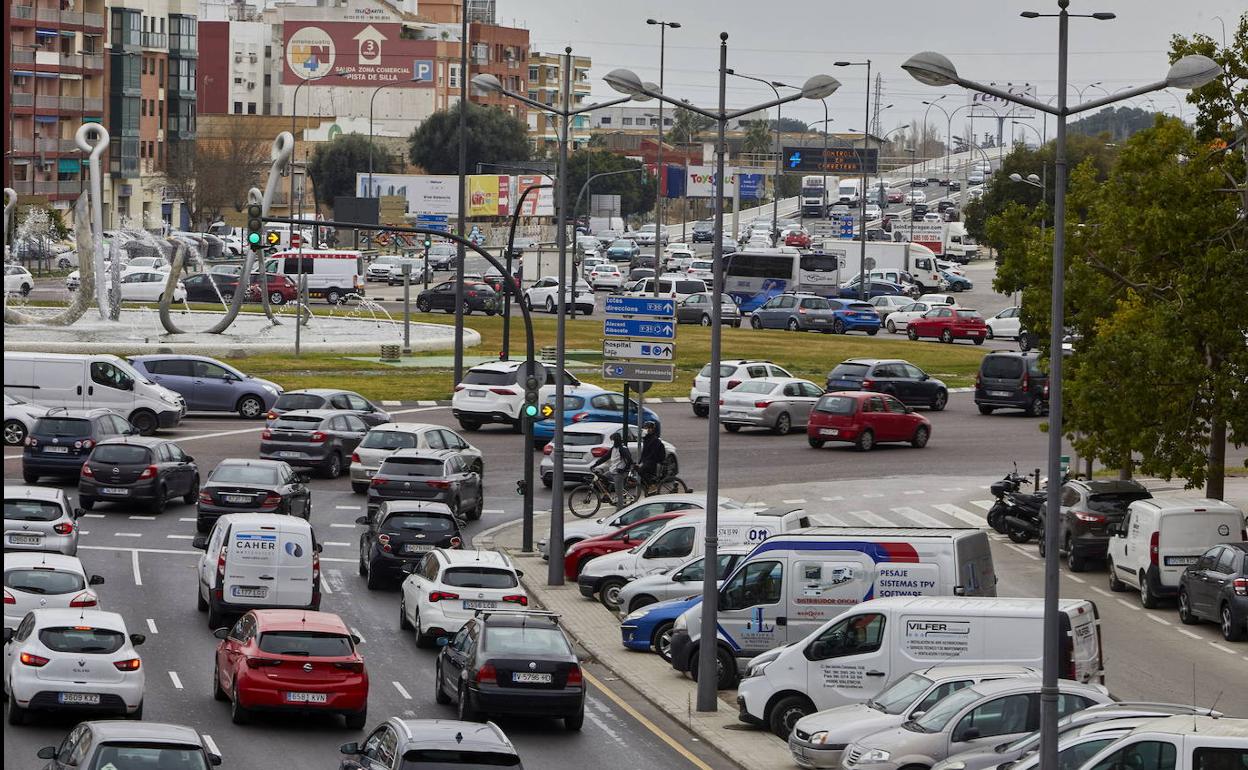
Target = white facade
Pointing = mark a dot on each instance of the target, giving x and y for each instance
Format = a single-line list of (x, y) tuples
[(627, 117)]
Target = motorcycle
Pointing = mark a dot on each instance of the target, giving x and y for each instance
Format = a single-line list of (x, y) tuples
[(1018, 515)]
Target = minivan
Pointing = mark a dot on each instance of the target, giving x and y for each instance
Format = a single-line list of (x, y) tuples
[(1009, 380)]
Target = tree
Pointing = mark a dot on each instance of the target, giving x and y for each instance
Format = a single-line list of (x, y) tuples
[(1113, 124), (790, 125), (333, 165), (688, 125), (493, 137), (758, 139), (636, 190), (214, 173)]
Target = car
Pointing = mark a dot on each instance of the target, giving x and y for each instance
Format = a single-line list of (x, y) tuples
[(442, 256), (418, 273), (728, 245), (433, 475), (209, 385), (778, 403), (975, 177), (60, 441), (545, 294), (896, 196), (398, 743), (493, 392), (384, 440), (932, 216), (638, 274), (731, 374), (703, 232), (953, 185), (677, 253), (281, 289), (674, 285), (575, 531), (589, 406), (697, 308), (894, 376), (449, 587), (135, 470), (886, 304), (17, 280), (240, 485), (39, 519), (291, 661), (328, 398), (389, 266), (623, 250), (210, 287), (586, 444), (159, 264), (1010, 380), (322, 439), (19, 418), (650, 627), (865, 419), (1088, 508), (587, 245), (147, 285), (526, 650), (115, 743), (1009, 324), (400, 532), (45, 580), (605, 276), (680, 581), (646, 235), (918, 212), (915, 196), (851, 289), (918, 182), (853, 316), (72, 661), (477, 295), (629, 536), (1216, 588), (795, 312), (701, 270), (798, 238), (902, 316), (948, 324), (939, 299)]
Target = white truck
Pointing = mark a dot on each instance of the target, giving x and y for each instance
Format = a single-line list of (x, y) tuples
[(959, 246), (914, 258), (815, 200), (849, 191)]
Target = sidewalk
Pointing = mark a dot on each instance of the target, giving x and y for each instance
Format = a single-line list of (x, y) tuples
[(597, 630)]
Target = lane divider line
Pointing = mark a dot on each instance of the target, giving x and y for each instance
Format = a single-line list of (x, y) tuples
[(645, 722), (127, 534), (1158, 619), (151, 626), (325, 589), (961, 514), (142, 518), (177, 683), (1127, 604), (406, 695), (1185, 632), (343, 526), (134, 563)]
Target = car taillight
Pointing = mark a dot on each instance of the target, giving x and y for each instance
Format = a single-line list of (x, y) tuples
[(33, 660), (1154, 548), (9, 598), (270, 416), (520, 599), (978, 380), (440, 596), (458, 388), (868, 384), (439, 484), (205, 497), (504, 391), (1091, 518), (355, 457), (220, 568), (64, 528), (1026, 383), (316, 573), (548, 449), (456, 542), (377, 482), (266, 434), (600, 451), (133, 664), (84, 599), (575, 677), (579, 416), (316, 437), (487, 674), (272, 498), (733, 383), (354, 666), (86, 471), (262, 662), (149, 472), (761, 404), (86, 443), (1239, 584)]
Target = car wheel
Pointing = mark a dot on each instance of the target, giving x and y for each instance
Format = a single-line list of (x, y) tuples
[(467, 310), (356, 720), (793, 325), (333, 297), (1230, 631), (144, 421), (892, 327), (466, 712), (946, 336), (1076, 561), (157, 506), (86, 503), (732, 427), (1024, 341), (977, 340), (1185, 609), (911, 333), (989, 334), (14, 433), (838, 326), (238, 714), (359, 488), (866, 441), (756, 322), (1115, 584), (784, 424), (1148, 598), (29, 477), (332, 467), (940, 401), (873, 332), (815, 443), (439, 695), (276, 298), (786, 713), (985, 409), (250, 407), (478, 509), (423, 305), (701, 410), (372, 580), (550, 305), (574, 722), (192, 494), (1036, 408), (661, 641), (201, 603), (706, 320), (921, 435), (609, 593), (217, 693)]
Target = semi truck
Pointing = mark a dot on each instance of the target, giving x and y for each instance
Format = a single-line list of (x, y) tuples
[(913, 258), (815, 197)]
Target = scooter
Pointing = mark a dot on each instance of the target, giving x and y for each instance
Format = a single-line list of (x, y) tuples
[(1016, 514)]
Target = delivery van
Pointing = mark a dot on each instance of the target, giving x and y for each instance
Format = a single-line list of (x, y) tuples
[(855, 655), (682, 539), (92, 381), (795, 582), (257, 561), (329, 275)]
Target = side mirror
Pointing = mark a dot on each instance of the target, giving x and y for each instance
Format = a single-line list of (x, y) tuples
[(137, 639), (317, 547), (200, 542), (349, 748), (78, 513), (408, 567), (519, 574), (96, 580), (214, 759), (47, 752), (969, 734), (362, 520), (221, 633), (355, 639), (131, 432), (190, 459)]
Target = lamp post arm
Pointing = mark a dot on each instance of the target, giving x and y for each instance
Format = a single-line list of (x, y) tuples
[(1007, 96), (1103, 101), (758, 107)]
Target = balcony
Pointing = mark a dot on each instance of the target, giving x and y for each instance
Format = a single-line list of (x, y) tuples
[(26, 145), (154, 40), (72, 187), (51, 14), (22, 11), (50, 104)]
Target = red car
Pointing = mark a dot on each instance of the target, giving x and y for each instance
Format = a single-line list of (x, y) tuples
[(798, 238), (579, 554), (865, 419), (281, 289), (291, 660), (896, 196), (948, 324)]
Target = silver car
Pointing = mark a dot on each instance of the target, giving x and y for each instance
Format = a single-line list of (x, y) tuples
[(778, 403), (384, 440), (589, 443), (130, 743), (696, 309), (39, 519), (795, 312), (678, 582)]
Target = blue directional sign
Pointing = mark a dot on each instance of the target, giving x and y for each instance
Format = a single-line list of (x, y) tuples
[(654, 307), (639, 327), (845, 226), (433, 222)]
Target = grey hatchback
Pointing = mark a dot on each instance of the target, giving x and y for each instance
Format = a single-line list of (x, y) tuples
[(129, 743), (314, 438), (795, 312), (433, 475), (329, 398)]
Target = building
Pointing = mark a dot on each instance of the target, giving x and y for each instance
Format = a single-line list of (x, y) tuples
[(236, 71), (56, 60), (545, 86), (645, 118), (502, 52)]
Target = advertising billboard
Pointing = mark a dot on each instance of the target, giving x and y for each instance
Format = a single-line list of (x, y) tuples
[(539, 203), (700, 181), (340, 53), (425, 194), (489, 195), (989, 106)]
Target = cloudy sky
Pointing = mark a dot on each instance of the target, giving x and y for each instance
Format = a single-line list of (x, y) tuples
[(789, 40)]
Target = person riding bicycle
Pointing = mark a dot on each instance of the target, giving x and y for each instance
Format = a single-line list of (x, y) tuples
[(653, 453), (619, 460)]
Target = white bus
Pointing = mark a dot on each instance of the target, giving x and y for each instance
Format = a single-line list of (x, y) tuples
[(752, 277)]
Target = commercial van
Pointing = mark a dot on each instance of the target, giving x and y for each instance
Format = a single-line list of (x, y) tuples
[(257, 561), (1178, 743), (855, 655), (793, 583), (92, 381), (1160, 537), (682, 539), (329, 275)]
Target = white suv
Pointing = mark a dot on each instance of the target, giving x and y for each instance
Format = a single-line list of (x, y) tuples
[(445, 589), (492, 392), (731, 374)]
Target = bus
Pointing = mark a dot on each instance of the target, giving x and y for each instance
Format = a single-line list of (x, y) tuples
[(752, 277)]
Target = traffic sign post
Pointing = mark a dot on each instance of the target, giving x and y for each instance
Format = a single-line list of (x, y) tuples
[(639, 328), (643, 328), (649, 351)]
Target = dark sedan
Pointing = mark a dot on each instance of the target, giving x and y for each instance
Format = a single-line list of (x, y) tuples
[(314, 438), (703, 232), (477, 296), (329, 398), (902, 379), (1088, 508), (1216, 588), (401, 532), (252, 486), (137, 470), (435, 475)]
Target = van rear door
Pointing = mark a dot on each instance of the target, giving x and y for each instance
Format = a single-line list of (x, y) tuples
[(251, 572), (56, 382), (1186, 535), (976, 575), (1081, 647), (294, 564)]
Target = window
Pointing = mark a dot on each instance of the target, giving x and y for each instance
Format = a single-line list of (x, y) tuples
[(852, 636), (1147, 755), (210, 370), (1206, 758), (626, 121), (1000, 716), (251, 108), (759, 583), (938, 693), (1226, 562), (104, 373), (604, 121), (380, 747), (672, 544)]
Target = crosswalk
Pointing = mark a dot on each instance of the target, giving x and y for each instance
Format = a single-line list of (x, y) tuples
[(933, 515)]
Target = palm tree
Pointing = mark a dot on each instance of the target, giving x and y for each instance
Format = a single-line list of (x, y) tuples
[(757, 139)]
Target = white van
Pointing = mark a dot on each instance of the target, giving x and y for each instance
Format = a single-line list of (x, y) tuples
[(331, 275), (855, 655), (683, 538), (1178, 743), (90, 381), (257, 561), (793, 583), (1161, 536)]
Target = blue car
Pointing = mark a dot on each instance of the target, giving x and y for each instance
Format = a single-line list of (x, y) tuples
[(584, 405), (854, 316), (956, 282), (650, 628), (623, 250), (209, 385)]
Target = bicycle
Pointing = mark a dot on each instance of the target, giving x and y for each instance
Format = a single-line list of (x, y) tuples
[(586, 498)]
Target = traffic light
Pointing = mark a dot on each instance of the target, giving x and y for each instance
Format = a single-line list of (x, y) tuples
[(428, 241), (255, 227), (273, 237), (531, 388)]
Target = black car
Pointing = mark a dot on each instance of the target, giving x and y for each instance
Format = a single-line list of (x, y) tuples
[(918, 211), (60, 441), (512, 663), (314, 438), (642, 260), (1010, 380), (329, 398), (434, 475), (703, 232), (954, 185), (199, 287), (1216, 588), (134, 469), (404, 744), (945, 205), (477, 296), (402, 532), (252, 486), (898, 378), (1088, 508), (640, 274)]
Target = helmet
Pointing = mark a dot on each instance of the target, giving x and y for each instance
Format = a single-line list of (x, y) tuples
[(651, 426)]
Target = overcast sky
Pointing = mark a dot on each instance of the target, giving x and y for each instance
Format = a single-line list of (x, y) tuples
[(789, 40)]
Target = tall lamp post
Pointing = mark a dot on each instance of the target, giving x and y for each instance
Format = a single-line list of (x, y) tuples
[(659, 174), (862, 191), (775, 196), (564, 112), (371, 99), (934, 69), (627, 82)]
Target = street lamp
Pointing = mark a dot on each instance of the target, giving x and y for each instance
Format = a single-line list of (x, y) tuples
[(660, 176), (627, 82), (923, 136), (935, 69), (1035, 130), (564, 112), (371, 99), (862, 168), (775, 193)]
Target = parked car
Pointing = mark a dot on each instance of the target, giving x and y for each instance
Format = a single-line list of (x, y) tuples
[(281, 289), (45, 580), (60, 441), (900, 318), (210, 287), (948, 324), (19, 418), (39, 519), (679, 581), (148, 285), (866, 419), (322, 439), (329, 398), (1216, 588), (1008, 324), (442, 256), (239, 485), (384, 440), (105, 743), (136, 470), (398, 533), (575, 531), (477, 295), (432, 475), (1009, 380), (780, 404), (1088, 508), (17, 280), (589, 405), (209, 385), (956, 282), (388, 267), (893, 376), (697, 308), (580, 553), (795, 312), (887, 304), (430, 602), (545, 294), (874, 289), (732, 373)]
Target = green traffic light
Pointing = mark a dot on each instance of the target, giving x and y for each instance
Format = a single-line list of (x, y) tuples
[(253, 238), (530, 410)]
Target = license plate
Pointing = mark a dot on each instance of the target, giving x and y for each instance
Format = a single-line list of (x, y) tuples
[(289, 454), (25, 539), (249, 592), (828, 431), (730, 414), (1180, 561), (236, 498), (307, 697), (476, 393), (474, 604), (79, 698), (525, 677), (573, 455), (999, 393), (56, 450), (115, 491), (416, 548)]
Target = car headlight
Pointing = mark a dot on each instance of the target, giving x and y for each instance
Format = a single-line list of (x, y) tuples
[(757, 669), (819, 737), (271, 389), (953, 764), (637, 615), (874, 755), (680, 624)]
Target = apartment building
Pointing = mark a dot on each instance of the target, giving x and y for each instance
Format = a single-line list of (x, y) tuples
[(546, 86)]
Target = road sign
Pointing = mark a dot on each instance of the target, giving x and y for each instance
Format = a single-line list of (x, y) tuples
[(844, 224), (650, 351), (832, 160), (644, 328), (433, 222), (651, 307), (639, 372)]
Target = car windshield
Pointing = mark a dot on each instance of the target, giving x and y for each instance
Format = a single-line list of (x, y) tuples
[(113, 756), (32, 510), (849, 371), (244, 474), (289, 402), (836, 405), (411, 466), (968, 314), (43, 581), (121, 454), (62, 426), (755, 386), (389, 439), (489, 377), (901, 694), (82, 640), (525, 640), (945, 710), (306, 643), (456, 759), (622, 244), (432, 523), (479, 577)]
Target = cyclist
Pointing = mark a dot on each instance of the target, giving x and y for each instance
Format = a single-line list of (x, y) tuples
[(652, 453)]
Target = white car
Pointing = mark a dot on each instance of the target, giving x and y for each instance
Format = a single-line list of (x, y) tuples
[(932, 216), (1007, 323), (17, 280), (646, 234), (445, 589), (947, 300), (587, 244), (606, 276), (674, 285), (68, 660), (35, 581), (672, 255), (900, 318), (887, 304), (701, 270), (874, 212), (148, 285), (731, 374), (390, 266), (951, 267), (545, 294), (676, 583), (586, 443), (386, 439), (152, 263), (915, 196), (576, 531), (19, 416), (494, 392)]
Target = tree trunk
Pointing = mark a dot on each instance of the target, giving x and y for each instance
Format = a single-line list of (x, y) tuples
[(1215, 483), (1124, 473)]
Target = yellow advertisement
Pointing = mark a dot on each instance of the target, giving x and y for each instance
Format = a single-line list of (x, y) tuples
[(487, 195)]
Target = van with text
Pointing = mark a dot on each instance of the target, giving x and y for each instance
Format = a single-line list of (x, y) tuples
[(329, 275)]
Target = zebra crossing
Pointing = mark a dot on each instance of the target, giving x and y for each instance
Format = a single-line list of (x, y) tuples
[(930, 515)]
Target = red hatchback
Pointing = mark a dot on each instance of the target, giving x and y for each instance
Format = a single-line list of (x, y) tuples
[(865, 419), (948, 324), (798, 238), (291, 660), (579, 554), (281, 289)]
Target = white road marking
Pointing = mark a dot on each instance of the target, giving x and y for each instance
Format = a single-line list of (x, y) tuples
[(325, 589), (914, 492), (1076, 578), (837, 498), (343, 526), (346, 507), (403, 692), (1127, 604), (871, 518), (1101, 591), (1028, 554), (142, 518), (961, 514), (873, 494), (829, 521), (1185, 632), (356, 631), (151, 626), (341, 545), (951, 489), (422, 402), (134, 563), (177, 683), (135, 550), (1222, 647), (985, 504), (918, 517), (187, 518), (92, 515), (180, 537), (794, 501), (210, 744), (127, 534), (1158, 619), (392, 403)]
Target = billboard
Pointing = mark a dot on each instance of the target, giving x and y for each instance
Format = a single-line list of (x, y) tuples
[(700, 181), (425, 194), (339, 53), (539, 203), (929, 234), (489, 195), (832, 160), (989, 106)]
